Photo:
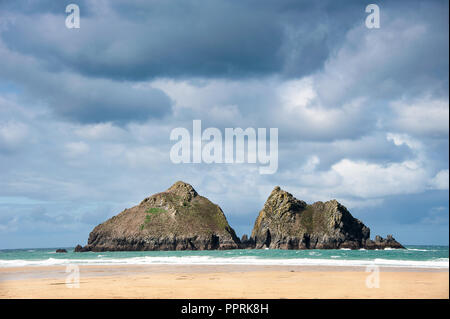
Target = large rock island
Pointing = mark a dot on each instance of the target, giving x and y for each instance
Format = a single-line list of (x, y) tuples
[(177, 219), (288, 223)]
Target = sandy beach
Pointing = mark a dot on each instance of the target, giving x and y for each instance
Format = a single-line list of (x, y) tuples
[(222, 281)]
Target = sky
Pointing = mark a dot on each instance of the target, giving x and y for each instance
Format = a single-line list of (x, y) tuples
[(86, 113)]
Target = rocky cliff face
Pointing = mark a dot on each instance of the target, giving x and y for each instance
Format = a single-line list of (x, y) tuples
[(177, 219), (288, 223)]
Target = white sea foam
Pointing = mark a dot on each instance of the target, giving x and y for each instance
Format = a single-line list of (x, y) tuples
[(440, 263), (314, 253)]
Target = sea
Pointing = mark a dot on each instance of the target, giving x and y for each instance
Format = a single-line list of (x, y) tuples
[(412, 256)]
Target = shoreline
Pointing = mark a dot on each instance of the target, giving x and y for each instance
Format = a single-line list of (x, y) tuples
[(223, 281), (199, 268), (401, 265)]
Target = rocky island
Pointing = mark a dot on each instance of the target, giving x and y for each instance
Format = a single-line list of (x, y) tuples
[(177, 219), (288, 223), (181, 219)]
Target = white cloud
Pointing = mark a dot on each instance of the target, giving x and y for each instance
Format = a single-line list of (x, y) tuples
[(440, 181), (364, 183), (12, 133), (375, 180), (144, 157), (311, 164), (99, 131), (426, 116), (222, 102), (359, 66), (76, 149), (297, 94), (400, 139), (268, 102)]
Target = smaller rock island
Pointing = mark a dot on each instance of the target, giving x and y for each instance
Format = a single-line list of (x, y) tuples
[(288, 223)]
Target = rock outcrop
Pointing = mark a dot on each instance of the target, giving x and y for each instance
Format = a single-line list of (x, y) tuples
[(177, 219), (61, 250), (80, 249), (288, 223), (246, 242), (381, 243)]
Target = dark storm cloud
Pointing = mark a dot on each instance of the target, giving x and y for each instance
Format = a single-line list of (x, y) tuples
[(93, 101), (138, 40), (121, 42), (88, 100), (82, 99), (31, 7)]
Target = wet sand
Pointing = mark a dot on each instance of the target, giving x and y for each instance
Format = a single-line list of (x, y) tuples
[(223, 281)]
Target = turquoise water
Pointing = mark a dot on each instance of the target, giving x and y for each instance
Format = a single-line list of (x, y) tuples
[(413, 256)]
